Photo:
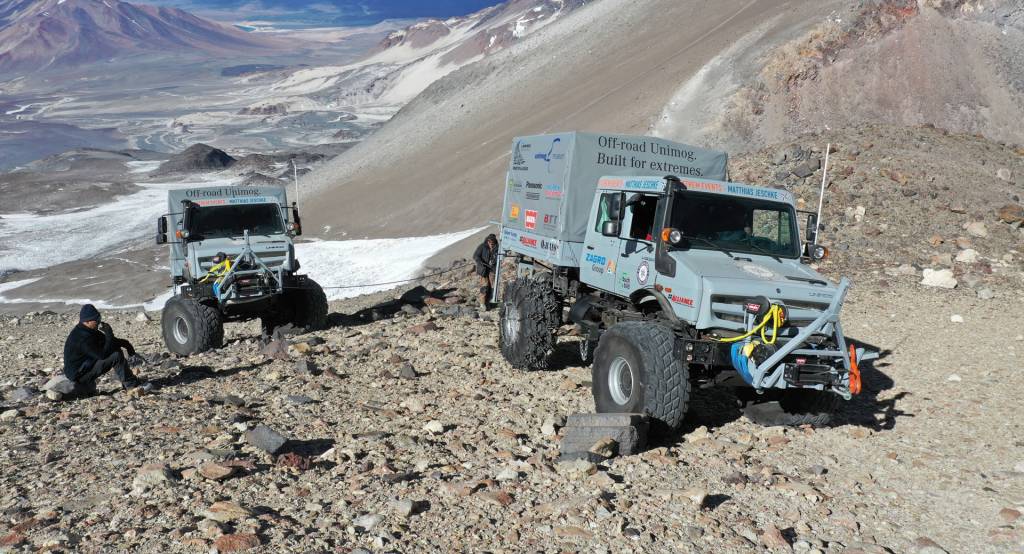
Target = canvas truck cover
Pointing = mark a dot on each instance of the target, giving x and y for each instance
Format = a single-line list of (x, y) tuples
[(552, 178)]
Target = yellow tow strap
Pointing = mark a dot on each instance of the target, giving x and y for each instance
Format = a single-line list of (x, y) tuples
[(218, 271), (774, 316)]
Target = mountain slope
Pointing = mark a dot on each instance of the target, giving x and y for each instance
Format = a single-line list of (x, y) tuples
[(53, 33), (408, 60), (610, 66), (741, 74)]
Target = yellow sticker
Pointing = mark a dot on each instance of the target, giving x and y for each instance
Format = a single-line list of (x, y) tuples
[(514, 212)]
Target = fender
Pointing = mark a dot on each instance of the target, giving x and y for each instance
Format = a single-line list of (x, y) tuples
[(666, 306)]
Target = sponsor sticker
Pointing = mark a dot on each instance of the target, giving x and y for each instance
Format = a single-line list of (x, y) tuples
[(553, 191), (550, 221), (625, 280), (595, 259), (531, 219), (513, 213), (643, 272), (549, 246), (682, 300), (528, 242)]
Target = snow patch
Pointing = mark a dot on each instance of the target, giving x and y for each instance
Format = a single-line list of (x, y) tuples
[(375, 262)]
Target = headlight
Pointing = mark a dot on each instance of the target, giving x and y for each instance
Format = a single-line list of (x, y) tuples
[(675, 236), (819, 252)]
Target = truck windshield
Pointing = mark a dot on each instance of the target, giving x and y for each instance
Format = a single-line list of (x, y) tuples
[(736, 224), (210, 222)]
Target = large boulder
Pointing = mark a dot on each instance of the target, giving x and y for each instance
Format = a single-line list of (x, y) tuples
[(197, 158)]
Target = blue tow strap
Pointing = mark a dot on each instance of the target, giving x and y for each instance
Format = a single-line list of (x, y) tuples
[(742, 363)]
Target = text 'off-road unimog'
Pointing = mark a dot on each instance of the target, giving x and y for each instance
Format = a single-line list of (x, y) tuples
[(680, 279), (232, 259)]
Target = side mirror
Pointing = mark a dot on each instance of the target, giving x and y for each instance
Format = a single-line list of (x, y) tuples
[(161, 230), (296, 225), (812, 228), (611, 228)]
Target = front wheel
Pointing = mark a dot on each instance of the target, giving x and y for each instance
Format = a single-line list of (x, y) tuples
[(790, 408), (635, 371), (190, 327), (307, 305)]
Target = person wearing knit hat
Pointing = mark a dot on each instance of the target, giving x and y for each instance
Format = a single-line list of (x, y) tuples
[(486, 259), (91, 350)]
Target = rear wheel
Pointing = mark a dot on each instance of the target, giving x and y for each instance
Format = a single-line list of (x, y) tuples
[(635, 371), (530, 313), (190, 327), (790, 408)]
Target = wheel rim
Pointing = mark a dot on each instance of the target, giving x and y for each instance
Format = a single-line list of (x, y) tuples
[(511, 324), (585, 349), (181, 330), (620, 381)]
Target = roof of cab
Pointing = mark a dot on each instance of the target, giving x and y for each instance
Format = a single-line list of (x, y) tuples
[(657, 185)]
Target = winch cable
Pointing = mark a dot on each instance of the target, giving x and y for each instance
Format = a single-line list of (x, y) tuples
[(400, 282), (775, 316)]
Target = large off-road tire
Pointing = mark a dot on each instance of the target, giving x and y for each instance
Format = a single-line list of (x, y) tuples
[(635, 371), (790, 408), (190, 327), (530, 313), (307, 306)]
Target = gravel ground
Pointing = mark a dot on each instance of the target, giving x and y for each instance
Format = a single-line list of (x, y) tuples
[(414, 439)]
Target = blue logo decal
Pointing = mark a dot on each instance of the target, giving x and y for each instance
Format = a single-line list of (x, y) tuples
[(550, 155), (595, 259)]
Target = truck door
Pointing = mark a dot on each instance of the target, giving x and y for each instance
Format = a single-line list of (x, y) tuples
[(636, 248), (601, 250)]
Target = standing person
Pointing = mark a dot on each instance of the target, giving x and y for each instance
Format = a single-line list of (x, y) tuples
[(486, 258), (92, 350)]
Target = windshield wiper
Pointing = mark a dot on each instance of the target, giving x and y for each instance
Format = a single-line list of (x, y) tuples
[(763, 251), (712, 245), (808, 280)]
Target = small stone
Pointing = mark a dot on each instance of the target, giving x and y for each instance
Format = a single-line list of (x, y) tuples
[(941, 278), (142, 317), (152, 475), (498, 498), (507, 474), (300, 348), (306, 367), (804, 170), (956, 318), (422, 328), (697, 496), (576, 469), (236, 542), (216, 472), (54, 395), (402, 508), (968, 256), (367, 522), (935, 240), (1011, 213), (276, 350), (294, 461), (772, 538), (434, 427), (21, 394), (225, 511), (925, 545), (59, 384), (1009, 515), (986, 294), (1004, 174), (272, 376), (9, 415), (976, 229), (605, 448), (407, 372), (265, 438), (299, 399), (954, 378)]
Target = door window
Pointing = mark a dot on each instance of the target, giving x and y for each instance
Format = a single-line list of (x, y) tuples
[(608, 209), (643, 208)]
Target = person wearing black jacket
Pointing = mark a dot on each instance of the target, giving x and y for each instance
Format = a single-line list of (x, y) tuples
[(92, 350), (486, 259)]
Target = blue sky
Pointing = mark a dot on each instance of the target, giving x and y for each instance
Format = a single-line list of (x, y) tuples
[(335, 12)]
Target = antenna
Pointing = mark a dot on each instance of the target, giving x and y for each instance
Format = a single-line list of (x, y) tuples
[(821, 196)]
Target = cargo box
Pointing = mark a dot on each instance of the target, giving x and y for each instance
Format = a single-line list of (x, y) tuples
[(552, 180)]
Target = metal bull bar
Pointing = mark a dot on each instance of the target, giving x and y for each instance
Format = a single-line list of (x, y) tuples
[(231, 277), (768, 373)]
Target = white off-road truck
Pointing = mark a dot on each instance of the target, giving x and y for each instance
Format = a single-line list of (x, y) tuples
[(232, 259), (678, 276)]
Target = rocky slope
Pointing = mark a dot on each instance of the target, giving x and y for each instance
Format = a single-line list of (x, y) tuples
[(406, 431), (56, 33)]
